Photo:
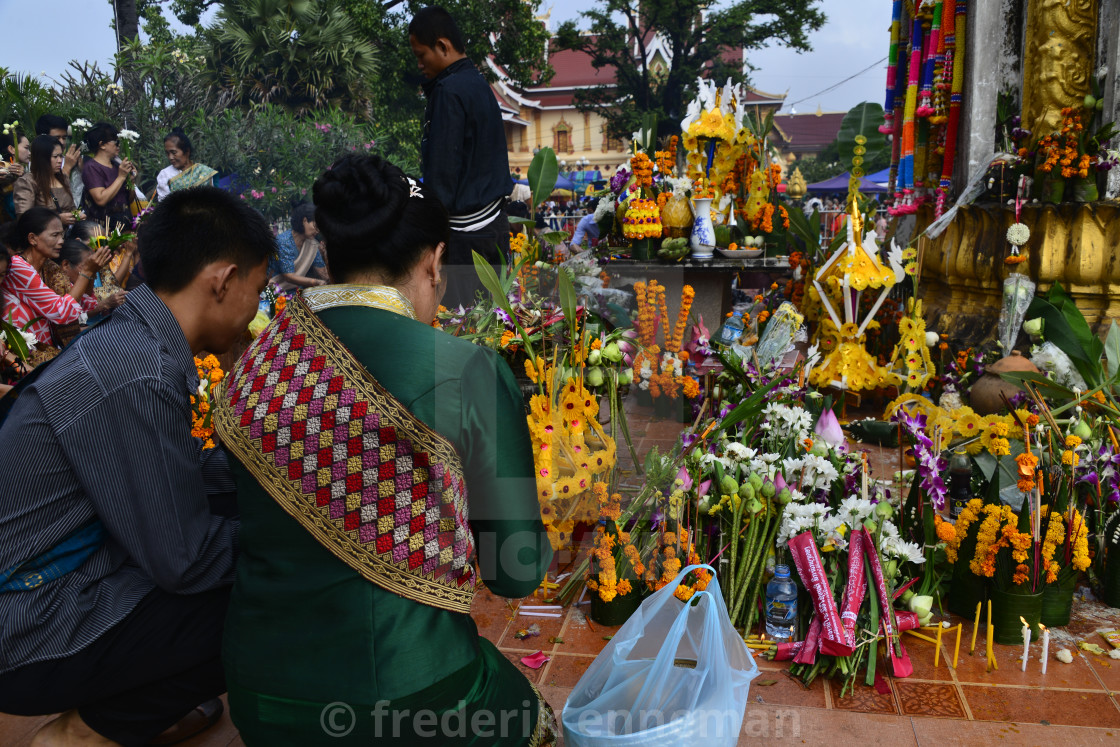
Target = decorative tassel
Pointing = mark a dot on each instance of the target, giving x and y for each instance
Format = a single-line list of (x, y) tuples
[(955, 97), (933, 41)]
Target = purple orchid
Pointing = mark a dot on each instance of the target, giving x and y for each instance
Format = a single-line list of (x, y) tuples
[(931, 464), (618, 181)]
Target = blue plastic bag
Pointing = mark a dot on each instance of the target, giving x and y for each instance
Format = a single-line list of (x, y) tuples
[(676, 673)]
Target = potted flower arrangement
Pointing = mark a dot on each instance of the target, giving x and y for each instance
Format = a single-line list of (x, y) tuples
[(615, 574)]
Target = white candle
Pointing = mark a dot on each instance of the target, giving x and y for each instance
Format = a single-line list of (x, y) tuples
[(1026, 642), (1045, 646)]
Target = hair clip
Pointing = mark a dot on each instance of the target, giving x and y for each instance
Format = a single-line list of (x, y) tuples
[(413, 188)]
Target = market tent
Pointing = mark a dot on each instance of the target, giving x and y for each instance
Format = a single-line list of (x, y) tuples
[(561, 183), (840, 184), (879, 177)]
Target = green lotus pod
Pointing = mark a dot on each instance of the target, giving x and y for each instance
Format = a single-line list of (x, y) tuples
[(1083, 430)]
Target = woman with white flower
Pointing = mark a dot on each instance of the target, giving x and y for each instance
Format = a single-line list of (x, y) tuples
[(28, 301), (43, 184), (105, 178)]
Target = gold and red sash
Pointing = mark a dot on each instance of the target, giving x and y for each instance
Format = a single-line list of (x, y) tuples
[(366, 478)]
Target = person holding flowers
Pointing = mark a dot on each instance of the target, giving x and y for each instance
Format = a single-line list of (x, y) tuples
[(106, 176), (366, 580), (43, 184)]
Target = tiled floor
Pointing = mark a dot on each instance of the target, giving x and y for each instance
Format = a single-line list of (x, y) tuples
[(1074, 704)]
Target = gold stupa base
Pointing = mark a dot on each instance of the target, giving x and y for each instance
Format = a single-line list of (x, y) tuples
[(963, 269)]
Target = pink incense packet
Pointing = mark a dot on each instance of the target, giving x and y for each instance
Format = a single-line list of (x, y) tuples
[(856, 589), (901, 665), (807, 559)]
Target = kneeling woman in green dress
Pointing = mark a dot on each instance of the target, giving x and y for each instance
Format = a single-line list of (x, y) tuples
[(384, 468)]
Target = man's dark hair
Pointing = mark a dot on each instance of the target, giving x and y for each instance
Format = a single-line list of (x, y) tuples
[(433, 23), (303, 211), (48, 122), (191, 228)]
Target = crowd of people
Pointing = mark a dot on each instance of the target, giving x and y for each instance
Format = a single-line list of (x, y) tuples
[(322, 552)]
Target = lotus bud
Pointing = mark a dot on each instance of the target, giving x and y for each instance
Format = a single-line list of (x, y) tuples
[(890, 570), (754, 505), (828, 430), (784, 496), (594, 357), (907, 596), (1034, 327), (594, 376), (625, 377), (705, 504), (932, 339), (627, 348), (768, 489), (819, 449), (747, 491), (884, 510), (728, 485), (630, 334), (870, 525), (756, 482), (779, 482), (1082, 430), (922, 606), (612, 353)]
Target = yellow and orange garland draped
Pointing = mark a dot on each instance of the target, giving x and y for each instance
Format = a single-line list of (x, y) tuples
[(662, 366), (210, 375), (571, 451), (643, 169)]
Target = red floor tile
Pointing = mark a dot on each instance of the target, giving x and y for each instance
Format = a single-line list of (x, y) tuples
[(786, 690), (863, 699), (973, 669), (1042, 706), (927, 699), (565, 670)]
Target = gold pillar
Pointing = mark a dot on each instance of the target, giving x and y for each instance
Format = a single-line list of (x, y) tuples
[(1058, 60)]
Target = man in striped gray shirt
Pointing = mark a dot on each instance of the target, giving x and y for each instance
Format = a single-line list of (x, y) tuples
[(114, 570)]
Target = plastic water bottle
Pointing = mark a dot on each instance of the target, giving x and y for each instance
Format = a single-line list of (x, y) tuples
[(781, 605), (731, 330)]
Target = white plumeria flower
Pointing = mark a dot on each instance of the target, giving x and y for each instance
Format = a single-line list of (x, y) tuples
[(129, 135)]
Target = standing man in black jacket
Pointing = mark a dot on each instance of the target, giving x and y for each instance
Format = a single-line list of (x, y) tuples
[(463, 151)]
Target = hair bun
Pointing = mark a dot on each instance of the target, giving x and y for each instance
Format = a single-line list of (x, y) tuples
[(363, 190)]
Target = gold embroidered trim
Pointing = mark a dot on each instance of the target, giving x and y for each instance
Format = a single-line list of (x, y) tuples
[(414, 585), (383, 297)]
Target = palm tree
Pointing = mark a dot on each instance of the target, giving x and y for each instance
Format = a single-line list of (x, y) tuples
[(300, 54)]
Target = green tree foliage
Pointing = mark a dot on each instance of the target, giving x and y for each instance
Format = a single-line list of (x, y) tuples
[(300, 54), (503, 29), (697, 35)]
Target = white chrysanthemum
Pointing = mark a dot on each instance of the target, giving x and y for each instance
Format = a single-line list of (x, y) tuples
[(853, 510), (1018, 234), (889, 530), (895, 547), (740, 453), (604, 208), (709, 459)]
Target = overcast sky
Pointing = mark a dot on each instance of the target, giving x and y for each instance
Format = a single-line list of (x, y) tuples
[(854, 38)]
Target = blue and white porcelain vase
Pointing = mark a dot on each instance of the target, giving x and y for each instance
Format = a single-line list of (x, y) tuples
[(703, 241)]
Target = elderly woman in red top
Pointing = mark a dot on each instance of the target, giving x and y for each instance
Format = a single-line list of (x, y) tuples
[(35, 238)]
